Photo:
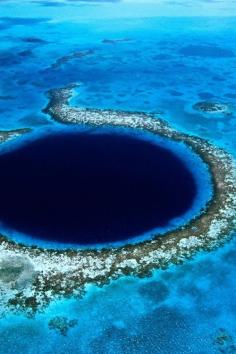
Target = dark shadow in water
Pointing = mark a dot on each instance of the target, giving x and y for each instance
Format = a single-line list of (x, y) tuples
[(210, 51)]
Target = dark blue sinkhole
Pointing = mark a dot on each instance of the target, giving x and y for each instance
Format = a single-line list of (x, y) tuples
[(86, 188)]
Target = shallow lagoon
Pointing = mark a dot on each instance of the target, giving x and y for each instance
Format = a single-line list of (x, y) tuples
[(179, 310)]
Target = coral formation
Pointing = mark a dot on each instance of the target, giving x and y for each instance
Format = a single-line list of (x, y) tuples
[(213, 107), (62, 324), (68, 272)]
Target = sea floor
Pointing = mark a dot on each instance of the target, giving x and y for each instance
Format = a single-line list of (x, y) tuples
[(127, 57)]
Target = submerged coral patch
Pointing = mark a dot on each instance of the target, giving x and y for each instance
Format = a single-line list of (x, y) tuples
[(210, 51), (62, 324), (213, 107), (15, 271), (11, 134)]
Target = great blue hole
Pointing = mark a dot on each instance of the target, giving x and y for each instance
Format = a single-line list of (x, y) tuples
[(85, 188)]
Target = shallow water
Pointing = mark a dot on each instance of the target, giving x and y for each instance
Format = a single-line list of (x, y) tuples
[(165, 65)]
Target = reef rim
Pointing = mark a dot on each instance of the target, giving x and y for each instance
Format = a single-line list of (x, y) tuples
[(61, 273)]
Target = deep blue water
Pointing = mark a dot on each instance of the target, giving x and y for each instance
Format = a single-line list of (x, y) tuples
[(90, 188), (168, 64)]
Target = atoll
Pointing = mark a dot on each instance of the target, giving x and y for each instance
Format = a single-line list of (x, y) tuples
[(62, 273)]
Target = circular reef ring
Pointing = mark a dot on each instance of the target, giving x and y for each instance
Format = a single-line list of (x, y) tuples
[(67, 272)]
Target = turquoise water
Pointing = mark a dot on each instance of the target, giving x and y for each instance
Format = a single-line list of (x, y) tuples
[(179, 310), (127, 57)]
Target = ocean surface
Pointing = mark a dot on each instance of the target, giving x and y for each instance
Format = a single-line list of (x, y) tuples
[(160, 57)]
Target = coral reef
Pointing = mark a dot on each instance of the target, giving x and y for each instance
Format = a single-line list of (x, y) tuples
[(76, 55), (11, 134), (62, 324), (224, 342), (213, 107), (68, 272)]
